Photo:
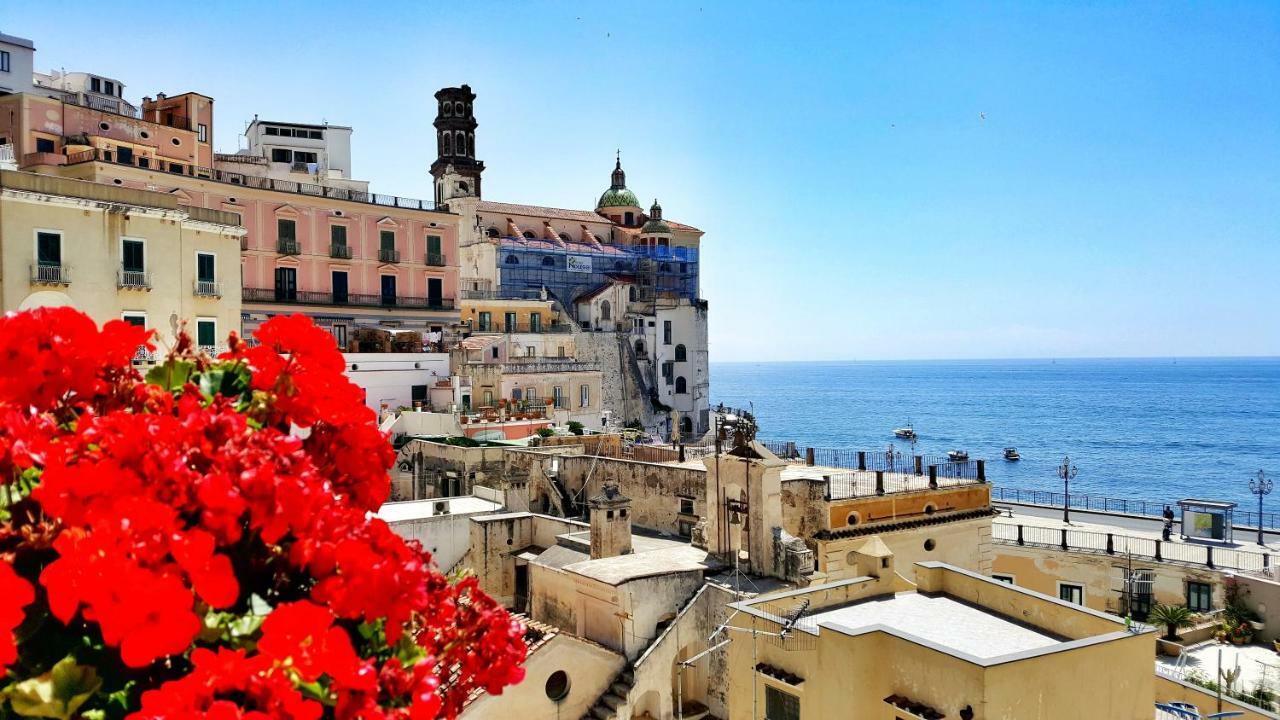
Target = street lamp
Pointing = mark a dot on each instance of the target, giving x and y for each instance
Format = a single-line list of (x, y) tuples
[(1261, 487), (1067, 472)]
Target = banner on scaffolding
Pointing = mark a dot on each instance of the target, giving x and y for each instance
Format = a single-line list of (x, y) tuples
[(578, 263)]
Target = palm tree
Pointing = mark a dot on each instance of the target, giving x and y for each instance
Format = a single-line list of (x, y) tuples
[(1172, 617)]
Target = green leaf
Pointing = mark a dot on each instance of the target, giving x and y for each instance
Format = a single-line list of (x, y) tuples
[(230, 380), (58, 693), (172, 375)]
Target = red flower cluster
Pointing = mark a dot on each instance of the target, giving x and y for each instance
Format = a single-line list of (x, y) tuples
[(170, 515)]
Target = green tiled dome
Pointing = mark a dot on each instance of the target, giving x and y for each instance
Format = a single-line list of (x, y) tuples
[(655, 225), (618, 197)]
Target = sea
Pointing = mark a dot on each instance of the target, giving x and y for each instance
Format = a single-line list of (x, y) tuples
[(1153, 429)]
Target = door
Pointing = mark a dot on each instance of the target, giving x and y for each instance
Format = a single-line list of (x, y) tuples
[(509, 320), (388, 289), (434, 256), (48, 249), (522, 587), (339, 287), (286, 284), (435, 292)]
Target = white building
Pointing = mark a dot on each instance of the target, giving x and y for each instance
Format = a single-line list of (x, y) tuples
[(17, 59), (394, 380), (318, 154)]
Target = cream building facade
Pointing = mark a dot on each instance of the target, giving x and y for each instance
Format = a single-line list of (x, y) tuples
[(119, 253)]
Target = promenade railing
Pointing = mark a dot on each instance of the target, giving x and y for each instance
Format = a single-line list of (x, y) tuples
[(1073, 540), (1123, 506)]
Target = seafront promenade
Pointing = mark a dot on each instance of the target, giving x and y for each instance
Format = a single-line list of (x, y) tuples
[(1123, 535)]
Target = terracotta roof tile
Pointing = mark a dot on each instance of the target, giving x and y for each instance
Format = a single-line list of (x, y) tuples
[(539, 211)]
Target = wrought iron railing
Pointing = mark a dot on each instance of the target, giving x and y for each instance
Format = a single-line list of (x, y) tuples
[(288, 247), (208, 288), (435, 259), (312, 297), (513, 293), (1073, 540), (137, 279), (49, 274), (254, 181), (388, 255), (340, 250), (1123, 506)]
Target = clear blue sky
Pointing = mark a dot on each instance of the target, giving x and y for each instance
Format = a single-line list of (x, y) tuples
[(1121, 197)]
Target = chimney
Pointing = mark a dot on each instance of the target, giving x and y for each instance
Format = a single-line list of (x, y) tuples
[(610, 515)]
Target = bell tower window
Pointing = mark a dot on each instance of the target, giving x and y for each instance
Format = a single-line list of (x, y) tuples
[(448, 143)]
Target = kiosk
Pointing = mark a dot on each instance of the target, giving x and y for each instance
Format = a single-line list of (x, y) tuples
[(1206, 519)]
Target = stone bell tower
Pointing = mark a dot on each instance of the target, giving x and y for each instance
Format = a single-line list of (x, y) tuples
[(456, 171), (610, 516)]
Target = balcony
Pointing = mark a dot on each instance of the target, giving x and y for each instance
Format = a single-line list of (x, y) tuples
[(435, 260), (389, 256), (547, 365), (342, 251), (49, 274), (312, 297), (133, 279), (288, 247), (208, 288)]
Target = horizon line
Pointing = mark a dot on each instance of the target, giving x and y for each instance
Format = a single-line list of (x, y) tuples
[(1048, 358)]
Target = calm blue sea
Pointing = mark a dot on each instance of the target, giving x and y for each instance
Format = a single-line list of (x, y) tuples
[(1159, 429)]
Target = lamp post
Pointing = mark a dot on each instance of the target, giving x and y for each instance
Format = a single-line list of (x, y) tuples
[(1067, 472), (1261, 487)]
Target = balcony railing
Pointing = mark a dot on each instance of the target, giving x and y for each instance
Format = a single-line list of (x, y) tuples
[(514, 293), (47, 274), (508, 328), (342, 251), (208, 288), (234, 178), (549, 366), (388, 256), (6, 153), (288, 247), (312, 297), (143, 356), (133, 279), (435, 260)]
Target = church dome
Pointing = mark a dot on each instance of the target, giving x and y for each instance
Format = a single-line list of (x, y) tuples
[(655, 224), (618, 195)]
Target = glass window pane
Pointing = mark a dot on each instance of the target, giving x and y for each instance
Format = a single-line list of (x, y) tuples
[(206, 332), (205, 267)]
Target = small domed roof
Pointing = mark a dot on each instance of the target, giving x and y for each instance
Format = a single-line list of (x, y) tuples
[(618, 195), (655, 224)]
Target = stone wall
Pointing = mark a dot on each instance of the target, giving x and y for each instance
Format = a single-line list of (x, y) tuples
[(623, 392), (654, 489)]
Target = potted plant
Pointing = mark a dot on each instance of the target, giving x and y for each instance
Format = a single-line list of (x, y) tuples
[(1173, 618)]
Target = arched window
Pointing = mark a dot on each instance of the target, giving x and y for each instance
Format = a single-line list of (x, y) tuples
[(548, 261), (458, 110), (528, 234), (605, 310), (686, 425), (493, 232), (629, 219), (464, 187), (512, 260), (633, 294), (681, 386), (460, 142), (640, 348), (471, 144), (565, 237), (448, 144), (680, 354)]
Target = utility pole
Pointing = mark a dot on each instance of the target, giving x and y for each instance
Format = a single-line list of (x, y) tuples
[(1261, 487), (1067, 472)]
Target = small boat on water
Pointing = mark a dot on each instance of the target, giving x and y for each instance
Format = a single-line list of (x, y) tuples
[(906, 433), (1011, 454), (958, 455)]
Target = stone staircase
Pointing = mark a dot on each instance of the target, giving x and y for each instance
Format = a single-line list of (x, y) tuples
[(606, 707)]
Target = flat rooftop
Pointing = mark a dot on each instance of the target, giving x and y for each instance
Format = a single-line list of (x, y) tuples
[(418, 509), (939, 621)]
